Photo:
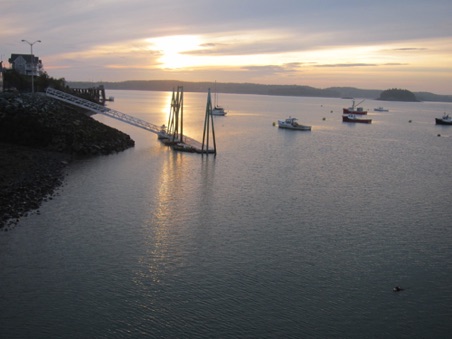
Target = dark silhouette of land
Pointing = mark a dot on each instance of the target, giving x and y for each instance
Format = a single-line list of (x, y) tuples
[(250, 88), (39, 136)]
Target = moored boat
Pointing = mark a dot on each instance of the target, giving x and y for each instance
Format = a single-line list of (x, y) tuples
[(445, 120), (162, 134), (181, 147), (291, 123), (354, 118), (354, 109), (218, 110)]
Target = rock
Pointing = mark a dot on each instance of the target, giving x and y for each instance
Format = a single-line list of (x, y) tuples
[(39, 136)]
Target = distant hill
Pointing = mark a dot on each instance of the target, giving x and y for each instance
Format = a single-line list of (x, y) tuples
[(250, 88), (426, 96), (351, 92)]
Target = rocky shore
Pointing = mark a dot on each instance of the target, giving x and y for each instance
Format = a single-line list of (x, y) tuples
[(39, 136)]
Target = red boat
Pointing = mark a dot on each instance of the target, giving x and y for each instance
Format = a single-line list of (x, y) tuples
[(354, 109), (354, 118)]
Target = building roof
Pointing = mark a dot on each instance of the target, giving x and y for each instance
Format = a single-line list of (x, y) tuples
[(26, 57)]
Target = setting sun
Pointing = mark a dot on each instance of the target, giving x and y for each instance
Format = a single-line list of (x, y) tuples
[(172, 50)]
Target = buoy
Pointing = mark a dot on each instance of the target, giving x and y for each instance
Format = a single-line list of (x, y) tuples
[(439, 135), (324, 119), (274, 124), (409, 120)]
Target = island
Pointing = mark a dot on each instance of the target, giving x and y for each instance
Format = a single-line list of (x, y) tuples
[(395, 94)]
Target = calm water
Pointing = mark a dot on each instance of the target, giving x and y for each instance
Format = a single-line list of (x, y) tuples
[(283, 235)]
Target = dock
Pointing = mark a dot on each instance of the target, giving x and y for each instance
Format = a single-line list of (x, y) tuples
[(171, 135)]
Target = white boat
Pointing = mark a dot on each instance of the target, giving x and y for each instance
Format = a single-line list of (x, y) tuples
[(162, 134), (381, 109), (291, 123), (217, 109)]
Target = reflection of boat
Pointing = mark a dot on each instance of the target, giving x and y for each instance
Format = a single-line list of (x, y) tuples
[(291, 123), (354, 118), (445, 120), (355, 109), (381, 109), (217, 109)]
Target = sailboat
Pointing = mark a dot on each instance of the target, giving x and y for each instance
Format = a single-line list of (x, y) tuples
[(217, 109)]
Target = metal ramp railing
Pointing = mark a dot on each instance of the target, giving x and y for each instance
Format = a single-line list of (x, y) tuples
[(96, 108)]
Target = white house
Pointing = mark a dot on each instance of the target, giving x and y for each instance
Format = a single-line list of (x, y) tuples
[(26, 64)]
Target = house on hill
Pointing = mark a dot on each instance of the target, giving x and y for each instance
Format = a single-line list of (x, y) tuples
[(26, 64)]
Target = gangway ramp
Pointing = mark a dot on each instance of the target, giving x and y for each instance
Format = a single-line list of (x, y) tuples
[(100, 109)]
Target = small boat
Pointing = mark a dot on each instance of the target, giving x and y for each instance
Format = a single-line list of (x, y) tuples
[(354, 118), (181, 147), (217, 109), (354, 109), (162, 134), (381, 109), (445, 120), (291, 123)]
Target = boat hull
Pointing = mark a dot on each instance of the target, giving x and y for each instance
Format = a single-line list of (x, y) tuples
[(356, 120), (297, 128), (180, 147), (357, 111), (440, 121), (219, 113)]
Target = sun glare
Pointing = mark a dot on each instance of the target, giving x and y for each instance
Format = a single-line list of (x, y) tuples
[(172, 50)]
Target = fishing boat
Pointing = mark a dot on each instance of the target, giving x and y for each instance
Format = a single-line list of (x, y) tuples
[(381, 109), (445, 120), (291, 123), (354, 109), (354, 118)]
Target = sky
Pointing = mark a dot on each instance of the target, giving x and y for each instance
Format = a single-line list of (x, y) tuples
[(320, 43)]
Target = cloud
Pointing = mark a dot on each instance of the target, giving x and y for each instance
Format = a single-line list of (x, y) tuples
[(274, 69), (409, 49), (360, 65), (268, 40), (347, 65)]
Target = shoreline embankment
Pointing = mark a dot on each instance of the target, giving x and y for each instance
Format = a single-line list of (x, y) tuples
[(39, 137)]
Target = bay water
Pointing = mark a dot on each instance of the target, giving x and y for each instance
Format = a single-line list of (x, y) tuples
[(283, 234)]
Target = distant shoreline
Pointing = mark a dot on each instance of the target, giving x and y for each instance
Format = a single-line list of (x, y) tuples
[(249, 88)]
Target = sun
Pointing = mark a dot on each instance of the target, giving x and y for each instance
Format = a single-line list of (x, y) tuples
[(172, 49)]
